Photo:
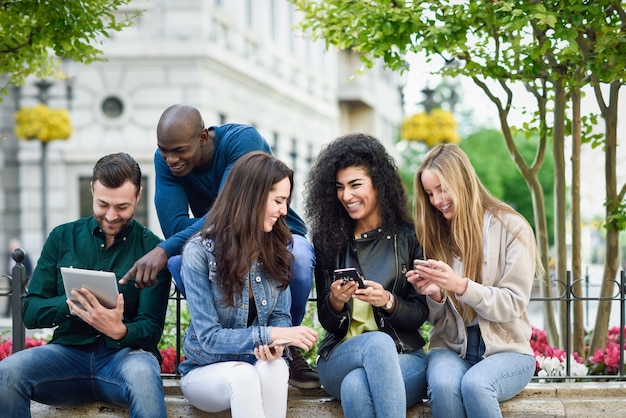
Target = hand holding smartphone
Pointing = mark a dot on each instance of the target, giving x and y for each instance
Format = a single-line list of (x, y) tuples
[(279, 342), (350, 274), (418, 262)]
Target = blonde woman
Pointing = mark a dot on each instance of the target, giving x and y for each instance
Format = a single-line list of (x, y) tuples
[(481, 260)]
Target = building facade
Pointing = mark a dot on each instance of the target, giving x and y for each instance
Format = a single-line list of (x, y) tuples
[(236, 60)]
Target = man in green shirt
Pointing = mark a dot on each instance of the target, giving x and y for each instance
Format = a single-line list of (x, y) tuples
[(96, 353)]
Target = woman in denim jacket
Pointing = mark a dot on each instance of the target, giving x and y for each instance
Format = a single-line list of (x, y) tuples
[(236, 272), (371, 357)]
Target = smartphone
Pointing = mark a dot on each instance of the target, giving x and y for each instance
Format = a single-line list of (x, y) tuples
[(418, 262), (350, 274), (279, 342)]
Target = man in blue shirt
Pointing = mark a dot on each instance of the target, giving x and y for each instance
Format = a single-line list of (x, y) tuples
[(191, 165)]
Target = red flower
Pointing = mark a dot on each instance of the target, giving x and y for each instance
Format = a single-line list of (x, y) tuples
[(538, 341), (169, 361)]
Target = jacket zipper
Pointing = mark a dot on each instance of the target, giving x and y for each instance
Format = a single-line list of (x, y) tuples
[(393, 288)]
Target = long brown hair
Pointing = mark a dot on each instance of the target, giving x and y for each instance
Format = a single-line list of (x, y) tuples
[(235, 223), (463, 235)]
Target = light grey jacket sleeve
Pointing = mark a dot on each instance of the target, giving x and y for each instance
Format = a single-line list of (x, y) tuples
[(500, 301)]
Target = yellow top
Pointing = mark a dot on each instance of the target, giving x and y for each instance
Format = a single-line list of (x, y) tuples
[(362, 319)]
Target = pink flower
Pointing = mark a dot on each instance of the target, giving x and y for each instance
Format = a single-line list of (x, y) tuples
[(613, 335), (6, 346), (5, 349), (548, 359)]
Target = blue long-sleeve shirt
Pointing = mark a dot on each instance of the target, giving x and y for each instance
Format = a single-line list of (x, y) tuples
[(197, 191)]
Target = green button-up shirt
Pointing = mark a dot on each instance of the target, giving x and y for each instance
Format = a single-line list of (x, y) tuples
[(81, 244)]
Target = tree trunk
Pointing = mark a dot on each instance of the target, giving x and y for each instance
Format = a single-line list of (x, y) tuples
[(530, 177), (578, 335), (558, 143), (611, 260)]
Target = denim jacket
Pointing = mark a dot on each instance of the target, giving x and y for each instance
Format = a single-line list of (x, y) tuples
[(218, 332)]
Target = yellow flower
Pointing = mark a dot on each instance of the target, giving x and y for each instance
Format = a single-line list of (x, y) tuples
[(431, 128), (40, 122), (416, 127)]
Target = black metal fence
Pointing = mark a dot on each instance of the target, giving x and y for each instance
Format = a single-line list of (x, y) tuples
[(569, 297), (18, 281)]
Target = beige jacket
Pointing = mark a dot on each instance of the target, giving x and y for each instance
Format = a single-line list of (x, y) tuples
[(500, 301)]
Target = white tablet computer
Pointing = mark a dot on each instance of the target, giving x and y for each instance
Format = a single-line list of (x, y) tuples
[(103, 284)]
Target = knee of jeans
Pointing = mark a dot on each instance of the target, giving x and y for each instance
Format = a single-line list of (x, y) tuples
[(354, 385), (6, 375), (443, 383), (475, 383), (14, 368), (379, 342), (142, 368)]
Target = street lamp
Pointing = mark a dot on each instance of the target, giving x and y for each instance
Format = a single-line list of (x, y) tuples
[(43, 96)]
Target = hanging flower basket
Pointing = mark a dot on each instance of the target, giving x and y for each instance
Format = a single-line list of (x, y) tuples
[(42, 123)]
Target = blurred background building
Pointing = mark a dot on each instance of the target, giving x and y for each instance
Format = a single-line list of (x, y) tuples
[(236, 60)]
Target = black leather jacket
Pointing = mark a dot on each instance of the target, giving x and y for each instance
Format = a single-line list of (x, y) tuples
[(385, 258)]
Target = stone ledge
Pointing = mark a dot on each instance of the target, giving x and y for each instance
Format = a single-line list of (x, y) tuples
[(577, 400)]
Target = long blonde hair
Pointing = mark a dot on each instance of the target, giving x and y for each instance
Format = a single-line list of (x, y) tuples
[(463, 234)]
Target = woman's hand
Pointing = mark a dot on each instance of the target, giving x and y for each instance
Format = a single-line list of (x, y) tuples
[(267, 353), (341, 293), (422, 286), (300, 336), (436, 275), (374, 294)]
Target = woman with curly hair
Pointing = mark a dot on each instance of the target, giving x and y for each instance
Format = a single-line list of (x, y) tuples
[(478, 279), (371, 357)]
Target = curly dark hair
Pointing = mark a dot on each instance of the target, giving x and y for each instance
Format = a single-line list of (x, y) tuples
[(330, 225)]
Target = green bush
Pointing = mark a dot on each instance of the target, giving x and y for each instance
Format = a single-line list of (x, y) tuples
[(310, 320), (168, 339)]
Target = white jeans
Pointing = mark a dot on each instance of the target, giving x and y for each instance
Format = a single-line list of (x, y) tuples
[(258, 390)]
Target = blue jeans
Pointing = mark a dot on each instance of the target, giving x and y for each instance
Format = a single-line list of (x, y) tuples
[(475, 386), (371, 379), (302, 282), (54, 374)]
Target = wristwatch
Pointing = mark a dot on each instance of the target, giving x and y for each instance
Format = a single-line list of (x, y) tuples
[(389, 303)]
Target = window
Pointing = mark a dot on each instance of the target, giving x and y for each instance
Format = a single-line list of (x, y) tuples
[(112, 107)]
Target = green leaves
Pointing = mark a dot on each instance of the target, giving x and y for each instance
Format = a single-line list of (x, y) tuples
[(34, 34)]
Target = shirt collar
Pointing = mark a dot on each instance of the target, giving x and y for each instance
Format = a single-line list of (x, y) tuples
[(97, 231)]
